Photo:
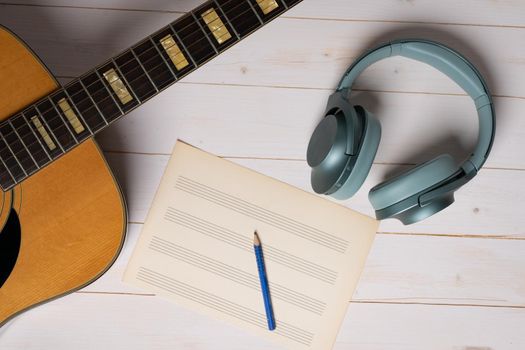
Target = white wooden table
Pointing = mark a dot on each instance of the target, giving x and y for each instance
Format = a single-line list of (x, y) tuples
[(455, 281)]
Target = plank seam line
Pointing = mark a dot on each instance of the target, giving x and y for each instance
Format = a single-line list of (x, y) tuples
[(362, 301), (160, 154), (510, 26), (116, 293), (282, 17), (452, 235), (332, 89), (415, 234), (325, 89), (438, 304)]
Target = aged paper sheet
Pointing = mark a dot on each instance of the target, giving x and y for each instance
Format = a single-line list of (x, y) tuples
[(196, 248)]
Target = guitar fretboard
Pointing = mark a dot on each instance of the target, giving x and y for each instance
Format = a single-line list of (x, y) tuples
[(48, 129)]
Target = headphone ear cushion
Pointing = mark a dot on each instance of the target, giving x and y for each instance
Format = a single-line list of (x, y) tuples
[(365, 156), (412, 182)]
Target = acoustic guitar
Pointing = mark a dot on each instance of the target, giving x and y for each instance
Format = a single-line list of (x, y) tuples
[(62, 214)]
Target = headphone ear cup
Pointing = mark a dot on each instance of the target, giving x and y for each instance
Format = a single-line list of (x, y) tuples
[(364, 157), (412, 182)]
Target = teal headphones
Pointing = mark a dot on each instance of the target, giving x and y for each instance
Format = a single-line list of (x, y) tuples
[(344, 144)]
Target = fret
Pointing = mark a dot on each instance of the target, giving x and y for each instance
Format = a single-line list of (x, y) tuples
[(10, 153), (86, 106), (21, 140), (165, 39), (68, 116), (43, 132), (123, 79), (56, 126), (118, 88), (174, 52), (80, 124), (206, 32), (291, 3), (102, 97), (64, 121), (117, 85), (145, 71), (154, 63), (11, 164), (241, 15), (153, 60), (40, 130), (254, 10), (65, 109), (17, 148), (31, 140), (114, 78), (195, 66), (135, 76), (111, 93), (194, 40), (7, 180), (267, 6), (216, 27), (223, 16), (156, 46), (268, 9), (43, 135)]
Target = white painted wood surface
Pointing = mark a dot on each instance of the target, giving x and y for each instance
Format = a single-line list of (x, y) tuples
[(454, 281)]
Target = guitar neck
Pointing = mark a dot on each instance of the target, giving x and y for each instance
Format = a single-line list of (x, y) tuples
[(48, 129)]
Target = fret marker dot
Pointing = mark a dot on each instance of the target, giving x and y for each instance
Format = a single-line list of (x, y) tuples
[(216, 26)]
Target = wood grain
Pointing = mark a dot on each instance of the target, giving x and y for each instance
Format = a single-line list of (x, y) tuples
[(508, 13), (453, 282), (445, 121), (322, 48), (408, 269), (71, 213), (415, 127), (23, 78), (145, 322), (490, 205)]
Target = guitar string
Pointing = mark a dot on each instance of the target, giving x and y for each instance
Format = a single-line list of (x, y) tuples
[(54, 118), (192, 45), (205, 38), (20, 137)]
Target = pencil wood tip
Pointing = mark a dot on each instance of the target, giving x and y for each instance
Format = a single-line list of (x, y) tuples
[(256, 240)]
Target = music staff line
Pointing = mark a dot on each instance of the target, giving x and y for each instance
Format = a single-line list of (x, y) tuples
[(239, 241), (237, 275)]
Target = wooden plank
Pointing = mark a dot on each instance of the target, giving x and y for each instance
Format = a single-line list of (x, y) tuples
[(402, 268), (402, 327), (409, 269), (281, 47), (46, 30), (471, 12), (490, 205), (277, 123), (89, 321), (331, 46), (444, 270)]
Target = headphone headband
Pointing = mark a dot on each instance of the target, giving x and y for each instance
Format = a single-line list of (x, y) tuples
[(455, 66)]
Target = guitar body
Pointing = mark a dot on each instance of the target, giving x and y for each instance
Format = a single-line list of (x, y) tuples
[(63, 227)]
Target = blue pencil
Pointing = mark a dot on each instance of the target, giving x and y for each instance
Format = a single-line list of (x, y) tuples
[(264, 281)]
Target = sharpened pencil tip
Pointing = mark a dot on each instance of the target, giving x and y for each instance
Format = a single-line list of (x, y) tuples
[(256, 240)]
